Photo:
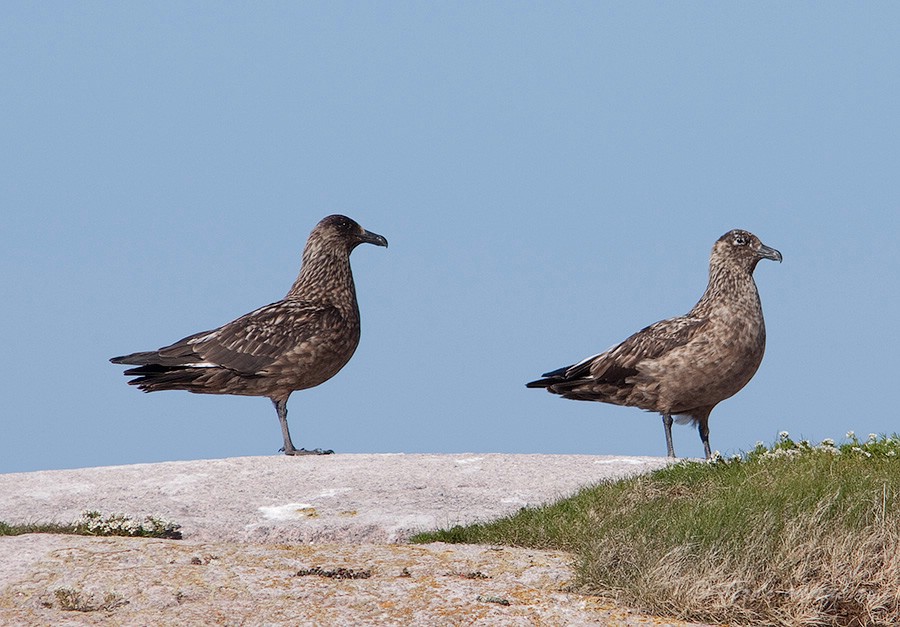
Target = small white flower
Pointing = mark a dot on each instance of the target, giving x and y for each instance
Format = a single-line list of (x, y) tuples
[(715, 458), (783, 435), (828, 442), (872, 437), (850, 435)]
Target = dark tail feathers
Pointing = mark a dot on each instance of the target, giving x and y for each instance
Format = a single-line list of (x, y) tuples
[(549, 378)]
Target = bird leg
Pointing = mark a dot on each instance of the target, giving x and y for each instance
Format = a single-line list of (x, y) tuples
[(289, 449), (667, 423), (281, 408), (703, 428)]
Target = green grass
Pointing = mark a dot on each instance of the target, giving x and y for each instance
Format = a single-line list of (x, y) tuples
[(17, 530), (92, 523), (791, 535)]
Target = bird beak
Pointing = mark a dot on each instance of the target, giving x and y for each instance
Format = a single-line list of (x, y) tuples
[(768, 253), (368, 237)]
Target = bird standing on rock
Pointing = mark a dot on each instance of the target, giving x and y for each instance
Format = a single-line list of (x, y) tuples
[(293, 344), (684, 366)]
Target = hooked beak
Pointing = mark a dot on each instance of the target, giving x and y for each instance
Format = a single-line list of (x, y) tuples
[(765, 252), (368, 237)]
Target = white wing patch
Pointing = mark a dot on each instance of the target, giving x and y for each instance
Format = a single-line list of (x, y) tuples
[(586, 360), (204, 338)]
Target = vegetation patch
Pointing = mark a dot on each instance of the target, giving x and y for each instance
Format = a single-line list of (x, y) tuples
[(93, 523), (70, 600), (490, 599), (336, 573), (791, 534)]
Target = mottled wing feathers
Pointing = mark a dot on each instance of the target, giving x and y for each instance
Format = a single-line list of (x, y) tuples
[(249, 344), (254, 342), (620, 362), (649, 343)]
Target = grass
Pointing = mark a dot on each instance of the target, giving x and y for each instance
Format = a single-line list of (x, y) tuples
[(92, 523), (791, 534)]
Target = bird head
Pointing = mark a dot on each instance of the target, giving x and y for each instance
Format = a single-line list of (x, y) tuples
[(743, 249), (339, 230)]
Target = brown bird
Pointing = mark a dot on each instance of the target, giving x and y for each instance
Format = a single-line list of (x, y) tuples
[(293, 344), (684, 366)]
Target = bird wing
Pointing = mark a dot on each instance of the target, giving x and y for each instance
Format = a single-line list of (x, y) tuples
[(256, 340), (652, 342)]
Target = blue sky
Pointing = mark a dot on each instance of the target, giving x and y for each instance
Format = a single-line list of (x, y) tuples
[(550, 176)]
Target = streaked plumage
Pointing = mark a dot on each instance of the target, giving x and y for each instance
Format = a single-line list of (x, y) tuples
[(684, 366), (293, 344)]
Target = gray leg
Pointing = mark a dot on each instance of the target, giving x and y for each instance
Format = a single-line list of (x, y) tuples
[(281, 408), (703, 428), (667, 423), (289, 449)]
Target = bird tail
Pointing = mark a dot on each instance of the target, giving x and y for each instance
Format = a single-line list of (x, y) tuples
[(154, 377), (550, 378), (137, 359), (546, 382)]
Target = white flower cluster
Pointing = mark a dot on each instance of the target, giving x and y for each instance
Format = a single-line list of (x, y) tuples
[(717, 458), (786, 448), (886, 446), (95, 523)]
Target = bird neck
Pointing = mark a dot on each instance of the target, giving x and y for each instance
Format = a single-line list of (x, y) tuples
[(729, 286), (326, 275)]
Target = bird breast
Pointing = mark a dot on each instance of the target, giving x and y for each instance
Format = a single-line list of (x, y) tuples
[(714, 365)]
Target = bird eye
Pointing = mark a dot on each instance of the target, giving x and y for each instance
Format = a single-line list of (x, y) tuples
[(740, 240)]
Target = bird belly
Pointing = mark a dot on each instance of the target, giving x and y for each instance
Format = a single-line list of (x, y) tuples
[(312, 363), (685, 380)]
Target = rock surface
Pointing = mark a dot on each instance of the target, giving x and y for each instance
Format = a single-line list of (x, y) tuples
[(251, 525)]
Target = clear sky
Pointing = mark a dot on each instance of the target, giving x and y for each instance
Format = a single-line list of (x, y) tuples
[(551, 178)]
